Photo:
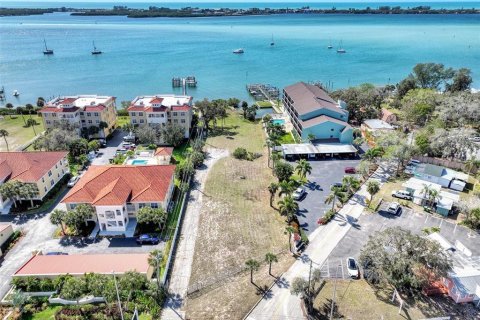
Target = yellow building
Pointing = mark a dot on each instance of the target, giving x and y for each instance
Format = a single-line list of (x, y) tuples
[(43, 169)]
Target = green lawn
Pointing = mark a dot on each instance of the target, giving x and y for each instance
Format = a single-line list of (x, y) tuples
[(264, 104), (122, 120), (46, 314), (18, 134), (180, 152), (287, 138)]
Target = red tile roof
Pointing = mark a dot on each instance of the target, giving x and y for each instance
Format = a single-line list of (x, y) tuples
[(28, 166), (147, 108), (55, 109), (99, 107), (117, 184), (79, 264), (156, 100), (181, 108), (67, 101), (164, 151)]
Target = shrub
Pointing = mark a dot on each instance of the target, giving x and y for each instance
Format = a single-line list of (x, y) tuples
[(197, 158), (240, 153), (283, 171)]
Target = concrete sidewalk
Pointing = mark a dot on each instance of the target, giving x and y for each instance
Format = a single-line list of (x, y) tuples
[(182, 267), (281, 304)]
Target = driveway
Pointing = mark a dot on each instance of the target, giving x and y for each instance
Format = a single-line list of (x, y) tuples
[(112, 145), (324, 174)]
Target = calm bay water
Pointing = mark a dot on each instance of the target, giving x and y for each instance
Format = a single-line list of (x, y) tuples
[(142, 55)]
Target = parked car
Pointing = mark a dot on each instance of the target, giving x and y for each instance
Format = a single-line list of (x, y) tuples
[(350, 170), (394, 208), (102, 142), (475, 139), (56, 253), (402, 194), (352, 268), (413, 163), (73, 181), (121, 151), (129, 138), (148, 238), (336, 185), (299, 193)]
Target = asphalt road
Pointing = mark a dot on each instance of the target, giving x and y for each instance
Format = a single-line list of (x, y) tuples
[(105, 154), (324, 174)]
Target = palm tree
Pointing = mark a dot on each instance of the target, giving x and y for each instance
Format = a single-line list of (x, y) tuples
[(269, 144), (103, 125), (372, 188), (9, 106), (333, 196), (253, 265), (93, 130), (56, 217), (287, 187), (433, 197), (373, 154), (270, 257), (272, 188), (20, 112), (4, 135), (311, 137), (351, 184), (426, 191), (30, 191), (155, 259), (303, 168), (288, 207), (31, 122), (29, 108), (289, 230), (471, 163)]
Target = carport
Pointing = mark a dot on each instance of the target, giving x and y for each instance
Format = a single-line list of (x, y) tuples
[(317, 150)]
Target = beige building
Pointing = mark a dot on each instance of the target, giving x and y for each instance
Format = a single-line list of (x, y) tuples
[(82, 111), (159, 110), (44, 169), (6, 231)]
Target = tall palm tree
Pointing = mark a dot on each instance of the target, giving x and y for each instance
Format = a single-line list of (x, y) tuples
[(102, 125), (31, 123), (4, 135), (303, 168), (373, 154), (372, 188), (269, 258), (426, 192), (433, 197), (289, 230), (288, 207), (287, 187), (30, 191), (335, 194), (56, 217), (269, 144), (29, 108), (9, 106), (272, 188), (351, 184), (155, 259), (253, 265), (20, 112)]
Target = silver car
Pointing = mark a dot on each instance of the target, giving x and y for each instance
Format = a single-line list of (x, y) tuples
[(73, 181), (298, 194), (394, 208)]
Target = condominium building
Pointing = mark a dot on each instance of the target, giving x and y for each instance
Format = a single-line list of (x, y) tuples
[(43, 169), (118, 191), (81, 111), (313, 112), (159, 110)]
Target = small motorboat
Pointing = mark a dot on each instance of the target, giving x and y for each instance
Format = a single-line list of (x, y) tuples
[(238, 51), (16, 93)]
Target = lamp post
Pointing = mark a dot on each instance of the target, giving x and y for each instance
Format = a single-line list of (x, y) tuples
[(118, 295)]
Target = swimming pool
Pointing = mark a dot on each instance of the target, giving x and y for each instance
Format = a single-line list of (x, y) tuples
[(278, 121), (139, 162)]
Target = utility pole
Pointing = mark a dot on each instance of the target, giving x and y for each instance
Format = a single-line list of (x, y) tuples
[(118, 295)]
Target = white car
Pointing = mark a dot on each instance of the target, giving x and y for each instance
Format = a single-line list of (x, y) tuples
[(298, 193), (394, 208), (402, 194), (352, 268), (73, 181)]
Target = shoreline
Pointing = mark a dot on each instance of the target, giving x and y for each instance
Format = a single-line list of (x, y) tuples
[(193, 12)]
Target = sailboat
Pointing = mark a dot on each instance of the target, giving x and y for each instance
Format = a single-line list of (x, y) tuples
[(341, 49), (95, 50), (272, 43), (47, 51)]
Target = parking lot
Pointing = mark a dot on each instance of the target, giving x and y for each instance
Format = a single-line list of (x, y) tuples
[(105, 154), (369, 223), (324, 174)]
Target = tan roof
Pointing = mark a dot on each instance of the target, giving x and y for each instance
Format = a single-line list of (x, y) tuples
[(4, 226), (79, 264), (117, 184), (164, 151), (307, 98), (322, 119), (28, 166)]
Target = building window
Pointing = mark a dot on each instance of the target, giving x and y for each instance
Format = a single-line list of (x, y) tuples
[(110, 214), (182, 114), (73, 206), (90, 121), (83, 121), (134, 121), (331, 129), (43, 180), (141, 205), (111, 223), (120, 223), (133, 114), (175, 114), (45, 188), (182, 121), (96, 114), (154, 205), (101, 215), (162, 115), (52, 182), (63, 171), (48, 121), (97, 121), (118, 212), (82, 113), (49, 173), (140, 114)]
